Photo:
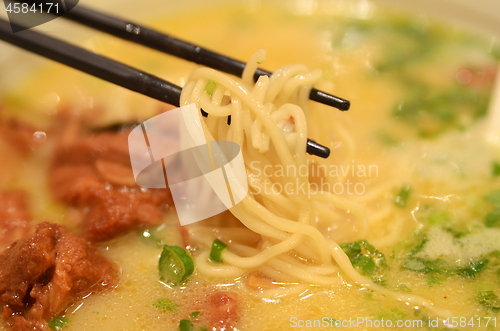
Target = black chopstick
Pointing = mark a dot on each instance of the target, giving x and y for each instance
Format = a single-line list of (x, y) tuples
[(164, 43), (107, 69), (93, 64)]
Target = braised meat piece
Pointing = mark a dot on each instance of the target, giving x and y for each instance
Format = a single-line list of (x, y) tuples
[(223, 310), (43, 274), (18, 135), (18, 141), (14, 218), (94, 174)]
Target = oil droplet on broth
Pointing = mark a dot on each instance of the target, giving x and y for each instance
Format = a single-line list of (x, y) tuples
[(39, 136)]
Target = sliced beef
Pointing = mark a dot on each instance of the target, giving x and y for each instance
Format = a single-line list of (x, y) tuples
[(43, 274), (94, 173), (14, 218)]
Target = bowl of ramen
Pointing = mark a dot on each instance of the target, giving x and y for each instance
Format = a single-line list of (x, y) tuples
[(398, 228)]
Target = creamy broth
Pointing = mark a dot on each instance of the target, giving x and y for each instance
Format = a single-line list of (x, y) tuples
[(419, 92)]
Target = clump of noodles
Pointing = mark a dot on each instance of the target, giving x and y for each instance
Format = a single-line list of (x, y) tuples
[(269, 121)]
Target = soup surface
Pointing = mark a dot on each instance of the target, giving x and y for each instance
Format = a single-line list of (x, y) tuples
[(411, 150)]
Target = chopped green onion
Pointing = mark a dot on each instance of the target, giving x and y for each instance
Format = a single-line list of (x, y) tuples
[(166, 305), (216, 251), (402, 198), (175, 265), (186, 325), (203, 328), (57, 323), (150, 237), (210, 87)]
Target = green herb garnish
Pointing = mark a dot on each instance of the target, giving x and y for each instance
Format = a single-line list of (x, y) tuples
[(403, 195), (494, 198), (166, 305), (364, 256), (175, 265), (435, 279), (186, 325), (495, 168), (404, 288), (425, 266), (419, 247), (473, 268), (432, 112), (57, 323), (438, 218), (194, 314), (393, 315), (439, 266), (493, 217), (388, 140), (489, 300)]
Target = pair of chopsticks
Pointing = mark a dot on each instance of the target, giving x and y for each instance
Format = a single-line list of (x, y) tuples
[(132, 78)]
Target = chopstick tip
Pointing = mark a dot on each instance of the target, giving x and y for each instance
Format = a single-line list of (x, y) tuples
[(319, 150), (329, 100)]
